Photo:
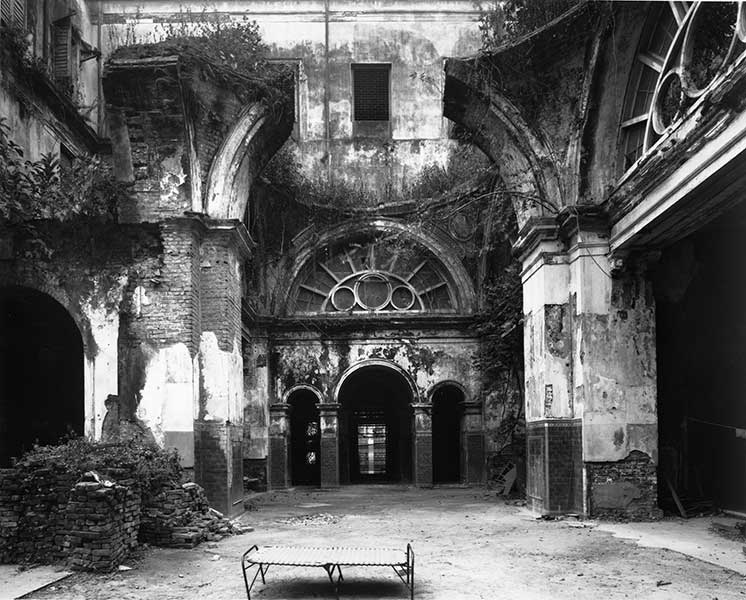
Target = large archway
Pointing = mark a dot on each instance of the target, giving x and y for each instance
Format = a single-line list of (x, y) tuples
[(305, 438), (375, 424), (447, 416), (41, 372)]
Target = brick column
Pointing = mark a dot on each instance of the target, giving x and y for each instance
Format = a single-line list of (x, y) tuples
[(329, 415), (423, 444), (219, 464), (472, 436), (278, 459)]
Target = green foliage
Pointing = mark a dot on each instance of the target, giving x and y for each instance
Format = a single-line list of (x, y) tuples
[(15, 53), (231, 52), (150, 465), (43, 189), (504, 22)]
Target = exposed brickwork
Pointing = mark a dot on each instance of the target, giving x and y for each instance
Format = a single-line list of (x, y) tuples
[(101, 524), (211, 461), (474, 457), (255, 474), (221, 289), (554, 456), (180, 517), (153, 113), (32, 507), (624, 490), (278, 463), (219, 464), (423, 466), (329, 461)]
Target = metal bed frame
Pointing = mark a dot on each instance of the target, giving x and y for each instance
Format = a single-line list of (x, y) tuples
[(329, 558)]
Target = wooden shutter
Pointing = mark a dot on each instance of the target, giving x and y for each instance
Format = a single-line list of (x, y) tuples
[(13, 13), (6, 11), (61, 49), (19, 14)]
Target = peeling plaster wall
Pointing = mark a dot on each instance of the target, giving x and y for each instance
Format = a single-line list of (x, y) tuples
[(94, 283), (413, 37), (257, 396), (547, 336), (428, 360)]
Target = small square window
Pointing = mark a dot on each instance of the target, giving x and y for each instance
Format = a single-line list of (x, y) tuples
[(370, 83)]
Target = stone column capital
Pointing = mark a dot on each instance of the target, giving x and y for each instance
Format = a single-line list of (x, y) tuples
[(279, 408), (329, 408), (422, 407)]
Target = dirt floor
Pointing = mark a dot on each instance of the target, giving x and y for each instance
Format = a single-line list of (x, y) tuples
[(469, 544)]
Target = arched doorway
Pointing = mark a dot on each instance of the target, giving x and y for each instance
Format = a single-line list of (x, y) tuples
[(41, 372), (447, 414), (375, 424), (305, 438)]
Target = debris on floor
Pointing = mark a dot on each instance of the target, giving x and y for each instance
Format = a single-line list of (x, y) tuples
[(312, 519)]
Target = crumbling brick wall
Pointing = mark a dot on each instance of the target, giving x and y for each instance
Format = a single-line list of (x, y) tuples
[(101, 525), (48, 517), (625, 490), (32, 505), (181, 517)]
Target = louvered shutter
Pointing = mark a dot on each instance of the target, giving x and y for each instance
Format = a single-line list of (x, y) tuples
[(61, 41), (6, 11), (19, 13), (13, 12)]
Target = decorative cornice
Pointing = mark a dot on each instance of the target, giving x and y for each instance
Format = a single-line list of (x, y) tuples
[(535, 231)]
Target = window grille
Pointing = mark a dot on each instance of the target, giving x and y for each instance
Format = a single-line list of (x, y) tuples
[(371, 92), (373, 276)]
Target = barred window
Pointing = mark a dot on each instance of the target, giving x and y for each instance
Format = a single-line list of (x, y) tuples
[(370, 84)]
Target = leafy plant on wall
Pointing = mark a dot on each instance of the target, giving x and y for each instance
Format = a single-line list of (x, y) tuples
[(32, 190)]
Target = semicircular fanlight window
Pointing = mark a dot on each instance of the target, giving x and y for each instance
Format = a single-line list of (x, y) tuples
[(372, 276)]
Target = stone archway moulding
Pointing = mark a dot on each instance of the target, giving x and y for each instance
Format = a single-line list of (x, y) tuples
[(448, 382), (527, 165), (302, 387), (372, 362), (249, 145)]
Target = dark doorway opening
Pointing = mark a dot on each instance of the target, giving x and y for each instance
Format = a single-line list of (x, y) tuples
[(375, 424), (700, 291), (447, 414), (41, 372), (305, 438)]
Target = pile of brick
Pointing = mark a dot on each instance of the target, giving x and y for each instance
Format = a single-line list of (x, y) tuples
[(32, 513), (180, 517), (10, 496), (102, 521), (92, 524)]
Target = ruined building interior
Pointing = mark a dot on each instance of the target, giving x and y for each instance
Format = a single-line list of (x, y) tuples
[(279, 300)]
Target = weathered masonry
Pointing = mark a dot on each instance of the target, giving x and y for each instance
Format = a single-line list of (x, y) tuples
[(343, 356), (232, 318), (633, 335)]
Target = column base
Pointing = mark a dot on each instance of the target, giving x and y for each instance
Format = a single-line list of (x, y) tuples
[(554, 467)]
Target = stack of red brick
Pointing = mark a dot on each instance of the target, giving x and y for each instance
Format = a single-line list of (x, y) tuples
[(48, 517)]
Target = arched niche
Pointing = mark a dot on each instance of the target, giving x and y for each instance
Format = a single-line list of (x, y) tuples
[(305, 435), (42, 395), (375, 423), (447, 400)]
